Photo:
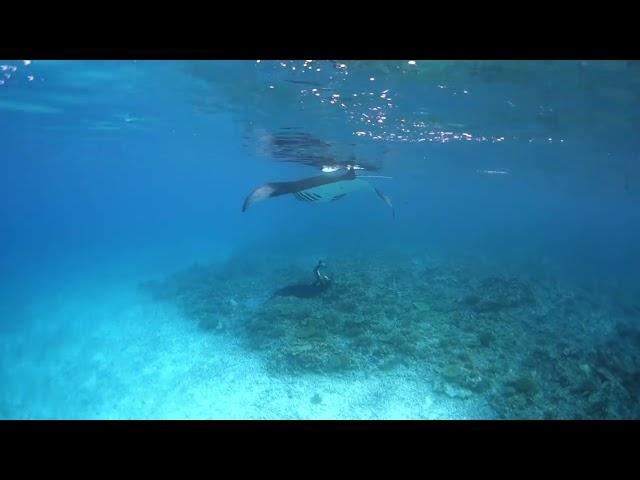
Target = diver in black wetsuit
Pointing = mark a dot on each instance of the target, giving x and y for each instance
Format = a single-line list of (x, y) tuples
[(321, 279)]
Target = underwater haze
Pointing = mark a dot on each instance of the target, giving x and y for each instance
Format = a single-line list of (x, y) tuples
[(483, 264)]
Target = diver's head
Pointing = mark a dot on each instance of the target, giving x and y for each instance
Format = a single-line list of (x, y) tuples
[(321, 263)]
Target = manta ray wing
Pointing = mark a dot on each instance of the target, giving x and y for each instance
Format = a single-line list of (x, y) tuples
[(300, 188)]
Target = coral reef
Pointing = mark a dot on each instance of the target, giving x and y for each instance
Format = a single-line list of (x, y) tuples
[(531, 348)]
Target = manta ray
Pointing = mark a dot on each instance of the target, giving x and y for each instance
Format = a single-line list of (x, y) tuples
[(319, 189)]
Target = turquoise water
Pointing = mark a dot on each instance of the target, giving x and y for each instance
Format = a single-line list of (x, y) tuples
[(133, 286)]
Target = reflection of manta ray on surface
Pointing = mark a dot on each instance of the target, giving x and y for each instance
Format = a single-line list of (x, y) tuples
[(319, 189), (293, 146)]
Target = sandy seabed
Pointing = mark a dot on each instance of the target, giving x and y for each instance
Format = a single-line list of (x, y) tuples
[(114, 354)]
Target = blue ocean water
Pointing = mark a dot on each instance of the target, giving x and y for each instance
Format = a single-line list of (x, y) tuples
[(133, 286)]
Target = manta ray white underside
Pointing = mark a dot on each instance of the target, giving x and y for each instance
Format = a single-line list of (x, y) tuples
[(332, 191)]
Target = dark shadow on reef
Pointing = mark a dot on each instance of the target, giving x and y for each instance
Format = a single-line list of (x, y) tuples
[(301, 290), (320, 285)]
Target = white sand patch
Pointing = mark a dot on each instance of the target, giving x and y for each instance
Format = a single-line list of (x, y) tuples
[(118, 356)]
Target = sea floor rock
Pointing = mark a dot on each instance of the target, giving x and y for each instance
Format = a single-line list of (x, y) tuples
[(508, 339)]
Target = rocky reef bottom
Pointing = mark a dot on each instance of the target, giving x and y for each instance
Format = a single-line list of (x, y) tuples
[(532, 348)]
